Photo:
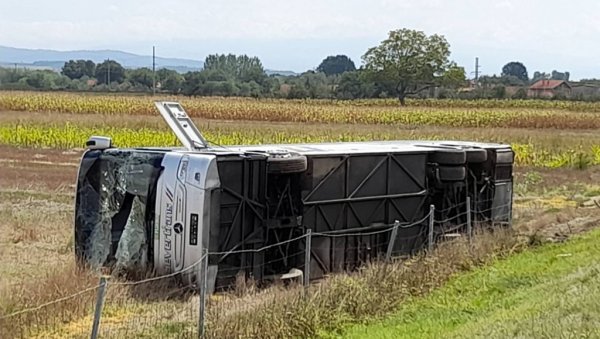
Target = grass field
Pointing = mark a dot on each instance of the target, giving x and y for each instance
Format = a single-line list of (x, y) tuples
[(547, 292), (557, 177)]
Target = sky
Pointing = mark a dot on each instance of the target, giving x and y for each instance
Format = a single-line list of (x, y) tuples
[(296, 35)]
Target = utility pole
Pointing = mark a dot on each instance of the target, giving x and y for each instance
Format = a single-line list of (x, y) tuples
[(477, 68), (153, 71), (108, 73)]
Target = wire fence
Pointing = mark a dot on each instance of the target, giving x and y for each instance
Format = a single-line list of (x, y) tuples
[(67, 316), (182, 305)]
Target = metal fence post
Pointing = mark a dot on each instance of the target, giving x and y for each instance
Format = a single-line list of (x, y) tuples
[(469, 225), (99, 305), (307, 257), (431, 220), (388, 254), (204, 285)]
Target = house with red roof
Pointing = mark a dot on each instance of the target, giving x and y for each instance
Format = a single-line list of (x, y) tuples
[(549, 89)]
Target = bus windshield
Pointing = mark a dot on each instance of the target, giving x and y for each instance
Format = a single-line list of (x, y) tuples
[(114, 213)]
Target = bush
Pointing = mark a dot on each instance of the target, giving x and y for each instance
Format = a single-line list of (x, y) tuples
[(521, 93), (499, 92)]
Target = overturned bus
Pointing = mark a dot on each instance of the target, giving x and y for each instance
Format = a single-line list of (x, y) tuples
[(160, 209)]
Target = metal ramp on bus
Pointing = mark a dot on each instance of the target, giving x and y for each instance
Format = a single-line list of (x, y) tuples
[(181, 124)]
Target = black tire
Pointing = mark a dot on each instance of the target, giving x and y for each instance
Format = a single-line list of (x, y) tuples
[(505, 157), (476, 155), (286, 163), (455, 173), (449, 157)]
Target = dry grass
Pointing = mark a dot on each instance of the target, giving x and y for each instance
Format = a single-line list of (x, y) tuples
[(46, 290), (165, 308), (372, 292), (35, 235), (35, 228)]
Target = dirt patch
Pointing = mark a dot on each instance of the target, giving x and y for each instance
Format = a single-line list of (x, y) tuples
[(556, 225), (29, 154), (42, 170)]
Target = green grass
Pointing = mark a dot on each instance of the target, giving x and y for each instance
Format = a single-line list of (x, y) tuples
[(548, 292)]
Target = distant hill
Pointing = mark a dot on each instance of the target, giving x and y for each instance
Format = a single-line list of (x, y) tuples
[(52, 59), (283, 73), (46, 58)]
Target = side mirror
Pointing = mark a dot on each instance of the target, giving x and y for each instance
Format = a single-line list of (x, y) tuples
[(97, 142)]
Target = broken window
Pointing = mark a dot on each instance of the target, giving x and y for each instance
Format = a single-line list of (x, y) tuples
[(115, 208)]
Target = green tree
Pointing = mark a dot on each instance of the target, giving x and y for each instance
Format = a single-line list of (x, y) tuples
[(240, 68), (109, 71), (316, 85), (505, 80), (193, 82), (516, 69), (453, 77), (338, 64), (408, 62), (170, 80), (75, 69), (39, 80), (499, 92), (141, 77), (556, 75), (271, 86), (539, 76), (33, 79), (521, 93), (298, 91), (311, 85), (353, 85)]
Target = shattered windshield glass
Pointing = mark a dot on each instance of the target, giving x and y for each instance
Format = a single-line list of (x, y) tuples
[(115, 208)]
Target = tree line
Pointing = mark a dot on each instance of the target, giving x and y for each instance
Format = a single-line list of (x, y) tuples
[(406, 63), (85, 75)]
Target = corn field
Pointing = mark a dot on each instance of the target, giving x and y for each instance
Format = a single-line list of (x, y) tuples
[(451, 113), (486, 120), (71, 136)]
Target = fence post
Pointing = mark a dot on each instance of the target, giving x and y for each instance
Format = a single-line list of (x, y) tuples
[(469, 224), (99, 305), (431, 220), (204, 285), (388, 254), (307, 257)]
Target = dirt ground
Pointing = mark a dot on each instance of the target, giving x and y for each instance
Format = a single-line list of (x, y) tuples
[(45, 170)]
